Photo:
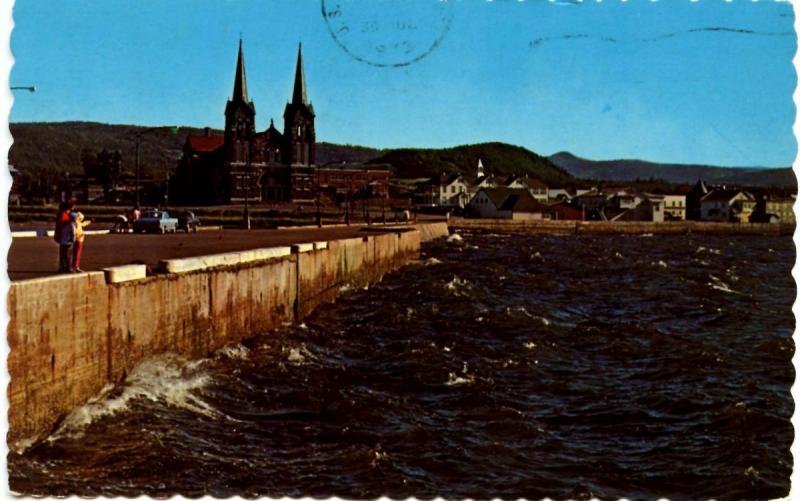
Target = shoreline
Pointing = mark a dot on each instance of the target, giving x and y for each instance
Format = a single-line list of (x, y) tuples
[(569, 227)]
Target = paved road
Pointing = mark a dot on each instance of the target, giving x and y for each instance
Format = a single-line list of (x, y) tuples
[(38, 257)]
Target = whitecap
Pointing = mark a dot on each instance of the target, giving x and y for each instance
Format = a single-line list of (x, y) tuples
[(710, 250), (720, 285), (164, 378), (454, 380), (431, 261), (646, 235), (660, 264), (457, 286), (455, 237), (530, 345), (297, 355), (236, 351)]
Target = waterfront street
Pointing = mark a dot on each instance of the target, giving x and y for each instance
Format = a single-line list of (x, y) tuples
[(38, 256)]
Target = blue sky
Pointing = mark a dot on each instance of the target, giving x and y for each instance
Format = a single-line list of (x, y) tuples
[(672, 81)]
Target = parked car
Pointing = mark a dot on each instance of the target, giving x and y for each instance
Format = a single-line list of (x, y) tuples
[(187, 221), (158, 221)]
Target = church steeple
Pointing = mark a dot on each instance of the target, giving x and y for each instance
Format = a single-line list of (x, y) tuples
[(299, 94), (240, 113), (240, 79), (298, 121)]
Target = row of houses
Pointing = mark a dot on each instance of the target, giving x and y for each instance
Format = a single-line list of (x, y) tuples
[(523, 197)]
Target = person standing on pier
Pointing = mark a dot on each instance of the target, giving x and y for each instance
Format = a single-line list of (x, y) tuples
[(77, 247), (64, 235)]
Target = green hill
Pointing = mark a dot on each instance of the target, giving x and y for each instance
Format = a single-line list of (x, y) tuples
[(55, 148), (48, 150), (498, 158)]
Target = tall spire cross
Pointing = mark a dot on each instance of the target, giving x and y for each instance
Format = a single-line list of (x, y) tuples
[(240, 82), (299, 94)]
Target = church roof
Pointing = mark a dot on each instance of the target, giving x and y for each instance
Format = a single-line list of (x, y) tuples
[(205, 144)]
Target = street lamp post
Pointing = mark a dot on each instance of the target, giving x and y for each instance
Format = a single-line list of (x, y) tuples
[(319, 216), (347, 202)]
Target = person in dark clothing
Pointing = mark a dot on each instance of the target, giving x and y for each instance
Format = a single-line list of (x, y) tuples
[(64, 235)]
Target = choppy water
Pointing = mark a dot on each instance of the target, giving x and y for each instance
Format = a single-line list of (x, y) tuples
[(496, 367)]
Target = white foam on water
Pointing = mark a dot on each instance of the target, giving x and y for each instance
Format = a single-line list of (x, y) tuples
[(431, 261), (454, 380), (457, 286), (646, 235), (236, 351), (297, 355), (530, 345), (660, 264), (345, 288), (618, 255), (455, 238), (167, 379), (710, 250), (720, 285)]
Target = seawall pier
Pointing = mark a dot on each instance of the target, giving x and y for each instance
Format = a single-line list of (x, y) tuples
[(71, 335)]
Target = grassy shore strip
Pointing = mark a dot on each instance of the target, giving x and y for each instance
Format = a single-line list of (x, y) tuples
[(620, 227)]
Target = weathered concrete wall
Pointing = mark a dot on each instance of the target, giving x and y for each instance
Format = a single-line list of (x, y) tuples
[(620, 227), (71, 335), (432, 231)]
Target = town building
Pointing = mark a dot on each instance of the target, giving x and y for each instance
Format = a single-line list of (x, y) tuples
[(774, 209), (675, 207), (694, 198), (507, 203), (447, 190), (272, 165), (728, 205)]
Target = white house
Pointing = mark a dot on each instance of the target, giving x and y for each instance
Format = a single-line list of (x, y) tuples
[(507, 203), (445, 191), (727, 205)]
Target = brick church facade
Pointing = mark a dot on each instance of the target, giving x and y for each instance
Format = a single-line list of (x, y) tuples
[(269, 165)]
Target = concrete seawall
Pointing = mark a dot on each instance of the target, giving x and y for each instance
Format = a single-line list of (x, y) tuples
[(71, 335), (620, 227)]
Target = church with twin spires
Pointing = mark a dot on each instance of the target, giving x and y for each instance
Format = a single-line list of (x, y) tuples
[(264, 166)]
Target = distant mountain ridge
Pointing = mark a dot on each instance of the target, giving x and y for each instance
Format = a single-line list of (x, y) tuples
[(49, 149), (631, 170)]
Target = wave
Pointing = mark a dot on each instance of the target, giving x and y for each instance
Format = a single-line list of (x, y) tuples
[(236, 351), (297, 355), (718, 284), (454, 380), (710, 250), (458, 286), (455, 238), (167, 379)]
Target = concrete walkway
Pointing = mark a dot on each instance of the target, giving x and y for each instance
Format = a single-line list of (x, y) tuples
[(38, 257)]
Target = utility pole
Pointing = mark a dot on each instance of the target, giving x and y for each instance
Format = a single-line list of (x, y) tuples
[(247, 191), (319, 216)]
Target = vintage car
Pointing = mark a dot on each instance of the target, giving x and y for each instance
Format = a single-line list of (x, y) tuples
[(187, 221), (157, 221)]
